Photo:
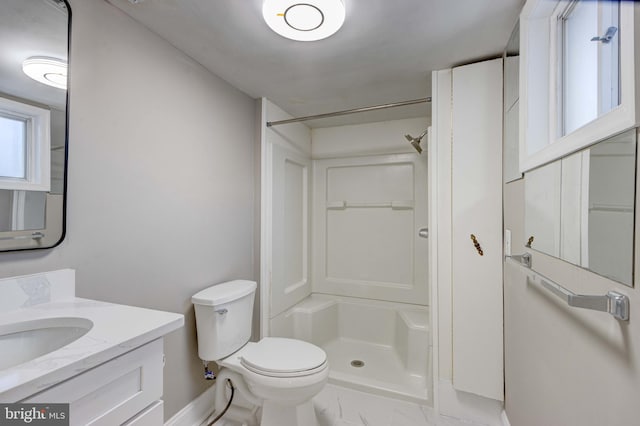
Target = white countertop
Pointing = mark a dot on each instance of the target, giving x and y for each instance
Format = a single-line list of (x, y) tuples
[(116, 329)]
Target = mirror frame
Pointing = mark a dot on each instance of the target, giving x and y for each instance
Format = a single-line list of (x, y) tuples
[(55, 212)]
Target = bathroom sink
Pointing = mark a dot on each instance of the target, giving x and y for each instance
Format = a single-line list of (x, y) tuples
[(24, 341)]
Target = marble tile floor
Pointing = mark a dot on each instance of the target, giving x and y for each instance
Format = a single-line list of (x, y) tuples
[(339, 406)]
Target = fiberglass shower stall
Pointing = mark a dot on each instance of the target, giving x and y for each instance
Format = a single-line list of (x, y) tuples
[(343, 265)]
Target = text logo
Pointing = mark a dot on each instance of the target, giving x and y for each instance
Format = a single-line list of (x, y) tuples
[(34, 414)]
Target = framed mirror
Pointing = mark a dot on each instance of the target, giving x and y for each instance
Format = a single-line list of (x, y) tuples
[(33, 122), (581, 208)]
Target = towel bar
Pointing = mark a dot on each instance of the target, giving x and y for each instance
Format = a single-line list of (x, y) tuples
[(614, 303)]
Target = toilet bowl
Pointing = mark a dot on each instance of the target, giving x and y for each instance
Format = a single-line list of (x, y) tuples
[(279, 374), (285, 374)]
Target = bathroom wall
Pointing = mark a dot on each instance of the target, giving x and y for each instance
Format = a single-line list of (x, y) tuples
[(382, 137), (6, 200), (58, 122), (161, 181), (566, 366)]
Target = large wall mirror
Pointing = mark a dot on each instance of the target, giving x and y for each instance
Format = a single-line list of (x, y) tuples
[(581, 208), (34, 40)]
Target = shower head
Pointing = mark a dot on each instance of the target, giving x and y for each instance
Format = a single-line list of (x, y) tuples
[(415, 142)]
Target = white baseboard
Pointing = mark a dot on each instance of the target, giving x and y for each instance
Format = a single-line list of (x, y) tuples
[(505, 419), (467, 406), (196, 412)]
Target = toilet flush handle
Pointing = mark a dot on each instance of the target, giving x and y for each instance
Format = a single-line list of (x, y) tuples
[(221, 311)]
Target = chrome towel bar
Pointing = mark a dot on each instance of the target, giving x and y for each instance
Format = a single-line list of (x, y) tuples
[(614, 303)]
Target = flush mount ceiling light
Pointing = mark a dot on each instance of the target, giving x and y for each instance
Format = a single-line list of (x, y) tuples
[(306, 20), (50, 71)]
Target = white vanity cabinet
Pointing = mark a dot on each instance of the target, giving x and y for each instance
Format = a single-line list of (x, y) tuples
[(125, 390), (111, 374)]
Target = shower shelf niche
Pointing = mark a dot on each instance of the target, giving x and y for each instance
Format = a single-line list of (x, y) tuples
[(395, 205)]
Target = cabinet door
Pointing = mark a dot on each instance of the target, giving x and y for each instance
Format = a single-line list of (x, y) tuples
[(477, 210), (153, 415), (113, 392)]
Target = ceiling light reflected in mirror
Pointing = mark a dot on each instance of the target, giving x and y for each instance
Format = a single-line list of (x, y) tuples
[(49, 71)]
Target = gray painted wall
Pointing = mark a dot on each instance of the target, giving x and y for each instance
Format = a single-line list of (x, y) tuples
[(566, 366), (161, 181)]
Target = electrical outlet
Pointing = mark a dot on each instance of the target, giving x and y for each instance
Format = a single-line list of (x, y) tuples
[(507, 242)]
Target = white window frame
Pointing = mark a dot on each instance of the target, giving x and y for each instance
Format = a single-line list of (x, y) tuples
[(38, 155), (541, 85)]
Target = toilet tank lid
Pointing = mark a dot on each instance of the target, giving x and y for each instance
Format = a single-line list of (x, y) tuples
[(224, 293)]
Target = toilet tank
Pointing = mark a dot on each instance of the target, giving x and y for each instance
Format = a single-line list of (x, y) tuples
[(223, 318)]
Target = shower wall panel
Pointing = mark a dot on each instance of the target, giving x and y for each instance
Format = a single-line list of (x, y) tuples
[(367, 213), (290, 241), (286, 214)]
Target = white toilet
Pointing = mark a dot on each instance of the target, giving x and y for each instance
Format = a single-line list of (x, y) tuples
[(281, 375)]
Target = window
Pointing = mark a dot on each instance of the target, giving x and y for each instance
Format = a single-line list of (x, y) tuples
[(590, 60), (578, 82), (24, 146), (13, 147)]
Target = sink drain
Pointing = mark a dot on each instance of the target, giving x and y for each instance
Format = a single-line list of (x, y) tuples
[(357, 363)]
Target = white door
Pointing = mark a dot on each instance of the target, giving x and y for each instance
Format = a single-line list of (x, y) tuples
[(477, 213)]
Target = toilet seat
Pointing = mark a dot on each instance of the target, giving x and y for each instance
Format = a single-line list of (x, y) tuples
[(282, 357)]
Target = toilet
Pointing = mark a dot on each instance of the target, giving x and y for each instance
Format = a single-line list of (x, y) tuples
[(280, 375)]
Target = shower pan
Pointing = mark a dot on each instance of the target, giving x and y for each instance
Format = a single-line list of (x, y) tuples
[(373, 346)]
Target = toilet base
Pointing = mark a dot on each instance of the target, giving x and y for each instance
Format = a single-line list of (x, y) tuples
[(288, 415)]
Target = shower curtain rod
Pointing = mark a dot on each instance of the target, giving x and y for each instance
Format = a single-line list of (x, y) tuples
[(349, 111)]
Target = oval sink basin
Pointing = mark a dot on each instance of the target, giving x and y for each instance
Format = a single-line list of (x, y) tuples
[(23, 341)]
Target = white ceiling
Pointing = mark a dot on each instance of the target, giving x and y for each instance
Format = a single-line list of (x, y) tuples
[(384, 52)]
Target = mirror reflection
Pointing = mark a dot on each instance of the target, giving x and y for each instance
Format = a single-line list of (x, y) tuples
[(581, 208), (511, 107), (33, 122)]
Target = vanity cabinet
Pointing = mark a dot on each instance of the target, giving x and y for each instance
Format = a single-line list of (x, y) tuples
[(125, 390)]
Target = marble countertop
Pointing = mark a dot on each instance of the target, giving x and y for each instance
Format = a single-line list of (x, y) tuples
[(117, 329)]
